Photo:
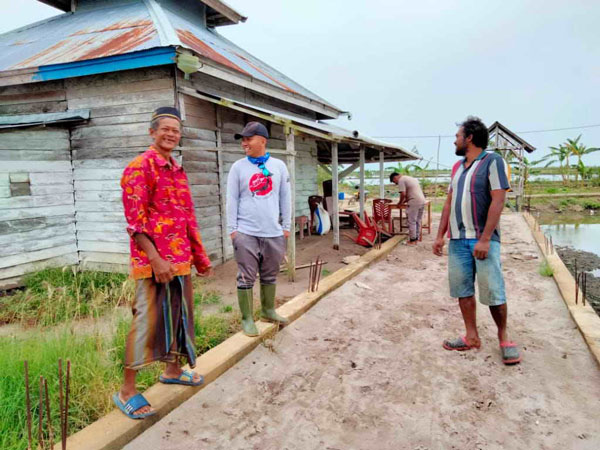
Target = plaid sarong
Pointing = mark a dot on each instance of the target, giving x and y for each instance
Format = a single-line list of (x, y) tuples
[(163, 323)]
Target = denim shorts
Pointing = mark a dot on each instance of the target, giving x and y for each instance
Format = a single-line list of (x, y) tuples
[(463, 267)]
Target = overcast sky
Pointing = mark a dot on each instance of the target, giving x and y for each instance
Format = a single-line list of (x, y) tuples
[(407, 68)]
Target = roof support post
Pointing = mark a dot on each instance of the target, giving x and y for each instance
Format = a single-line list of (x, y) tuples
[(335, 215), (381, 185), (291, 165), (361, 190), (222, 186)]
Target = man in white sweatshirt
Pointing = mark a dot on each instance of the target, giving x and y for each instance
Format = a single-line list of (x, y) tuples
[(258, 221)]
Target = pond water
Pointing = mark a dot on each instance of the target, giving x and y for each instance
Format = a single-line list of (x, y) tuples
[(581, 233)]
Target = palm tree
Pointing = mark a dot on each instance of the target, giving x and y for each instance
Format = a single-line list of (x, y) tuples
[(579, 150), (558, 155)]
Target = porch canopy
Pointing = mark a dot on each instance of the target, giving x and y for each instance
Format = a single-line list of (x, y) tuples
[(335, 146)]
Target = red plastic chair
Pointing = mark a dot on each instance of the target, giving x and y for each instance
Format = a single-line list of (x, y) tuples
[(367, 231), (382, 215)]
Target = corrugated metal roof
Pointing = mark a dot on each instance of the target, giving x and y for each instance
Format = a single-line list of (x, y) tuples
[(85, 35), (120, 27)]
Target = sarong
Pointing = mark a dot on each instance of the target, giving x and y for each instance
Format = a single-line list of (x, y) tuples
[(163, 323)]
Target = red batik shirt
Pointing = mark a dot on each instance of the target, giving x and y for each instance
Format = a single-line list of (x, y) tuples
[(158, 202)]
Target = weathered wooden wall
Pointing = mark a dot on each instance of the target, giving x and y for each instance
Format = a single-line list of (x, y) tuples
[(37, 222), (121, 106), (60, 196)]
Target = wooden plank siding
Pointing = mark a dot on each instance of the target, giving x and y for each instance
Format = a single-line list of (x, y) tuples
[(121, 105), (37, 215)]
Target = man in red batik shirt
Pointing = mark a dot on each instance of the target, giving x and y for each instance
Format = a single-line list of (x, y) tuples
[(165, 244)]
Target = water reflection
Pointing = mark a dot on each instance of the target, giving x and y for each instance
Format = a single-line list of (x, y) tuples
[(582, 236)]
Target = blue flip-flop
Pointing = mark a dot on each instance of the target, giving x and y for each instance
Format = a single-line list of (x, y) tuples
[(186, 378), (132, 405)]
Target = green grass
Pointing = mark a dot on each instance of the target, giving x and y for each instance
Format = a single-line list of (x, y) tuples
[(226, 309), (203, 297), (325, 272), (545, 270), (56, 295)]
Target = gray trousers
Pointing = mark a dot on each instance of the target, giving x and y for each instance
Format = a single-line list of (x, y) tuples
[(262, 255), (414, 215)]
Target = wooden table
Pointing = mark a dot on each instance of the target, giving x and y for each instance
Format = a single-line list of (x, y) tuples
[(402, 208)]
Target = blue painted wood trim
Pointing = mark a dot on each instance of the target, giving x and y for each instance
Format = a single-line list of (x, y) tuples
[(145, 58)]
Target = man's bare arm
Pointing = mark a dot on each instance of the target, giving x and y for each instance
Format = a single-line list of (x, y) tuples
[(438, 245), (493, 218)]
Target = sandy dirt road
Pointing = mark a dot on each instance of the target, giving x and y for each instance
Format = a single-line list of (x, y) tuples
[(365, 369)]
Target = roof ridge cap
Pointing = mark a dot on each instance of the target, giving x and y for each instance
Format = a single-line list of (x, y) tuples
[(162, 24)]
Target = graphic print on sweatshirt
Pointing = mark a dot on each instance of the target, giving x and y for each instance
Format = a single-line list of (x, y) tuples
[(260, 185)]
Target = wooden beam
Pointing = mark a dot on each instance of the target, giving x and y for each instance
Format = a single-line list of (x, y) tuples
[(347, 171), (361, 192), (335, 187), (291, 165), (381, 185), (325, 168)]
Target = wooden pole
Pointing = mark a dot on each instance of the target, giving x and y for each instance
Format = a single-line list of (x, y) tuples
[(361, 189), (335, 216), (222, 188), (381, 185), (291, 165)]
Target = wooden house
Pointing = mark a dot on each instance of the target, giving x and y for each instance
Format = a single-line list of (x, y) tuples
[(76, 95)]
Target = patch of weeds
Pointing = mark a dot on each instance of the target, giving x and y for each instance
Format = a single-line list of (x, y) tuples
[(226, 309), (96, 373), (325, 272), (211, 331), (591, 204), (551, 190), (202, 297), (545, 269), (57, 295)]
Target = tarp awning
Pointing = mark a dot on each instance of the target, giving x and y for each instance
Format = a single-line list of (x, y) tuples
[(28, 120)]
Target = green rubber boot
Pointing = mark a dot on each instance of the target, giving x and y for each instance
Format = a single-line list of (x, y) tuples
[(246, 305), (267, 302)]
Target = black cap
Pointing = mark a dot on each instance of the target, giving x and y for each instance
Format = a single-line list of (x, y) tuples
[(166, 111), (253, 129)]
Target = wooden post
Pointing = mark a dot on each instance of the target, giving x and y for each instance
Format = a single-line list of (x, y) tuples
[(222, 188), (335, 189), (291, 165), (381, 185), (361, 190)]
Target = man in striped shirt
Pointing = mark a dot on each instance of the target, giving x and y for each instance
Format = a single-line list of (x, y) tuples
[(471, 215)]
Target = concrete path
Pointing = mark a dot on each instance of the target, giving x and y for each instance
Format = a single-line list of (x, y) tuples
[(365, 369)]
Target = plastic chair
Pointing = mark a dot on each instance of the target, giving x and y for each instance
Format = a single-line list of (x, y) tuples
[(367, 231), (382, 214)]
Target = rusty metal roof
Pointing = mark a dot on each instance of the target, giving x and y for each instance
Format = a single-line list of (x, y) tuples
[(122, 27)]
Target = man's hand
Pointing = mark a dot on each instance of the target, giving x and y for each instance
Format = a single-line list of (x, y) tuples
[(233, 235), (286, 234), (163, 270), (207, 274), (481, 249), (438, 246)]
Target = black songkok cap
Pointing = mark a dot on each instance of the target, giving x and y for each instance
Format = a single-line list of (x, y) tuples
[(166, 111)]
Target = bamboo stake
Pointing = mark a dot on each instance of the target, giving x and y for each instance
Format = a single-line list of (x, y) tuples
[(28, 406)]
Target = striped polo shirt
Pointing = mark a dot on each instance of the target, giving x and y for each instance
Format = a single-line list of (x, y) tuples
[(471, 195)]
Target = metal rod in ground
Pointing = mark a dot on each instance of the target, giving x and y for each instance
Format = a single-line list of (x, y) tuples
[(319, 265), (67, 389), (48, 415), (28, 405), (310, 276), (41, 414), (576, 285), (61, 401), (584, 296)]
